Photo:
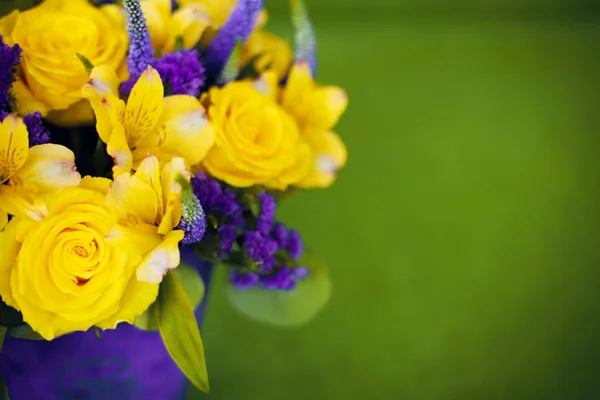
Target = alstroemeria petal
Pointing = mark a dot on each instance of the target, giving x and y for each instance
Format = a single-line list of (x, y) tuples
[(329, 156), (171, 190), (3, 220), (149, 172), (14, 142), (133, 197), (188, 132), (49, 167), (118, 149), (21, 202), (144, 106), (160, 260)]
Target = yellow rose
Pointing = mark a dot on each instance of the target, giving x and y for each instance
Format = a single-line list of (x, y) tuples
[(256, 141), (97, 255), (50, 75)]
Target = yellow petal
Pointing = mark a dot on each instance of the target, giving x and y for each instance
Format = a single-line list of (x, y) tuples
[(49, 167), (21, 202), (187, 131), (329, 156), (189, 22), (14, 142), (171, 190), (158, 15), (133, 197), (160, 260), (295, 173), (26, 101), (3, 220), (138, 237), (77, 114), (144, 107), (118, 149), (103, 79), (108, 108), (9, 248), (149, 173), (7, 24), (98, 184), (267, 84), (334, 101)]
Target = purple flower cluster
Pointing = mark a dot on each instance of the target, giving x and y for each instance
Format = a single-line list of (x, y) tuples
[(181, 72), (262, 243), (9, 58), (285, 278), (221, 203)]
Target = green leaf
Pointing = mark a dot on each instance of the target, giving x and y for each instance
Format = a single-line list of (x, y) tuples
[(24, 332), (3, 389), (232, 68), (281, 308), (146, 321), (194, 288), (178, 327), (9, 316), (3, 331), (179, 43), (87, 64), (192, 283)]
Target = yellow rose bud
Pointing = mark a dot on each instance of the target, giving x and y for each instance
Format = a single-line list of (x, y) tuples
[(256, 141), (51, 34)]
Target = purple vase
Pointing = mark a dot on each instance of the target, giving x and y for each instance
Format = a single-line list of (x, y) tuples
[(128, 363)]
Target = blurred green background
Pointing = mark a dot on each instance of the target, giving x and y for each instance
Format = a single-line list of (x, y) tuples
[(463, 236)]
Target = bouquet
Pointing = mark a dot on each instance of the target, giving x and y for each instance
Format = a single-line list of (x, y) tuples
[(142, 143)]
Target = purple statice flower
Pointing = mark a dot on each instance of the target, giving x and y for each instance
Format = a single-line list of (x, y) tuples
[(239, 26), (265, 220), (280, 234), (285, 278), (216, 200), (9, 58), (182, 72), (141, 52), (208, 191), (295, 246), (37, 132), (227, 235), (193, 222), (244, 280), (261, 249)]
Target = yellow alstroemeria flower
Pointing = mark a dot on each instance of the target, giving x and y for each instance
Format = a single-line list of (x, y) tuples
[(316, 109), (189, 21), (97, 256), (26, 172), (50, 75), (271, 53), (167, 127)]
